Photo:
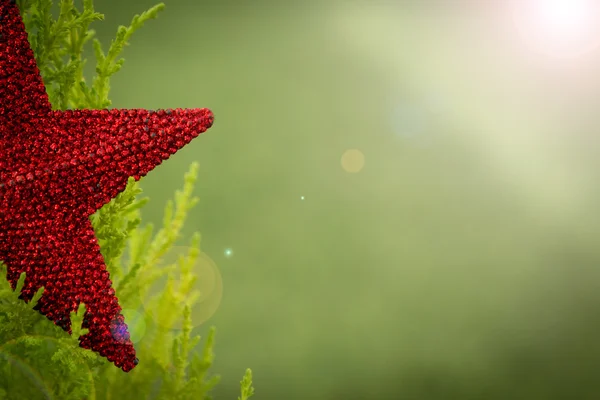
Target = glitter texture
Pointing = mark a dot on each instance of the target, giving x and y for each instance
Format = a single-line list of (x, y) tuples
[(57, 168)]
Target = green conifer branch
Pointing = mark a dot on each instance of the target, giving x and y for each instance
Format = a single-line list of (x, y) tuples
[(66, 370), (247, 389), (108, 64)]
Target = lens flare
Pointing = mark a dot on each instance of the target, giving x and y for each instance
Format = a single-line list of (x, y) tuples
[(135, 323), (559, 28), (208, 288), (353, 161)]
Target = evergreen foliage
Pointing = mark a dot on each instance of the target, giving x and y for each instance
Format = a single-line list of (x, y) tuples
[(38, 360)]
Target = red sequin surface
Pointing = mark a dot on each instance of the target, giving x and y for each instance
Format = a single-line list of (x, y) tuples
[(56, 169)]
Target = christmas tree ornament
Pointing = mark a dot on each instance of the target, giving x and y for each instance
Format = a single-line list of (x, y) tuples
[(57, 168)]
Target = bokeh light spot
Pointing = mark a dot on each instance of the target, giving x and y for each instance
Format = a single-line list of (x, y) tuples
[(208, 286), (408, 120), (413, 119), (136, 325), (228, 253), (353, 160)]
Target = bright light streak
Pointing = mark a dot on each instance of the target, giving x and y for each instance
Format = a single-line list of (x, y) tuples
[(560, 28)]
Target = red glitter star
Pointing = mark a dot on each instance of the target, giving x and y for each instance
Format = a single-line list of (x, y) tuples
[(57, 168)]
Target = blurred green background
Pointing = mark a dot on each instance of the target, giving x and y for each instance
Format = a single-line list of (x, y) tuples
[(459, 263)]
